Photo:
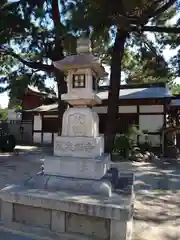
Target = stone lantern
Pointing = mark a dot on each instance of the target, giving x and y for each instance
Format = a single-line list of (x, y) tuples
[(78, 195), (80, 126), (83, 72)]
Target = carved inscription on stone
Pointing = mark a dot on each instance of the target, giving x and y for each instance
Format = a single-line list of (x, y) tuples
[(68, 146), (77, 124), (84, 167)]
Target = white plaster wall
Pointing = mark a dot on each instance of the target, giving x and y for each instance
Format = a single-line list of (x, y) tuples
[(151, 109), (37, 122), (127, 109), (152, 123), (122, 109), (102, 109), (47, 138), (12, 115), (36, 137)]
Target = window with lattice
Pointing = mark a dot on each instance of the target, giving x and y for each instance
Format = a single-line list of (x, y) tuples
[(78, 81)]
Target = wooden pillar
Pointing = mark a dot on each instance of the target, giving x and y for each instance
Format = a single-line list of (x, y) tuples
[(42, 128), (163, 138), (138, 127)]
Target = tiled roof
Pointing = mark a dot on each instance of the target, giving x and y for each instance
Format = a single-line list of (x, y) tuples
[(139, 93), (175, 102), (44, 108), (133, 93), (36, 90)]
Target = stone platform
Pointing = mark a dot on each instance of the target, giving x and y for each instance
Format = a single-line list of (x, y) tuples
[(19, 232), (70, 215)]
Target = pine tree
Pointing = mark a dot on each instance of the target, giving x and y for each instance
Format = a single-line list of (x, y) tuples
[(44, 38), (121, 18)]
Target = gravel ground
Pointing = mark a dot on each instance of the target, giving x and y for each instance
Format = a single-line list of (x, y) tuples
[(16, 169), (157, 205), (157, 216)]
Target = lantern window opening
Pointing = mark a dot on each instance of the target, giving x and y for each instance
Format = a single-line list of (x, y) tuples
[(78, 80)]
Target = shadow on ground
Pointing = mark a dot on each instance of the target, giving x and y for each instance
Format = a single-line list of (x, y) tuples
[(158, 178), (157, 215), (157, 205)]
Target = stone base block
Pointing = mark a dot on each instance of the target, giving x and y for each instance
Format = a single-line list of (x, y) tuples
[(87, 98), (80, 122), (81, 186), (84, 147), (77, 167), (104, 187), (77, 215), (17, 231), (37, 217), (6, 212)]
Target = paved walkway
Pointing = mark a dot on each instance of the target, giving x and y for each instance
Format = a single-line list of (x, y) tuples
[(157, 205)]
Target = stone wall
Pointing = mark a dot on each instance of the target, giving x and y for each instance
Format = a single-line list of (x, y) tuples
[(65, 222)]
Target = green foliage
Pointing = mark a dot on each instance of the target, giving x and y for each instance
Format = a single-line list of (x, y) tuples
[(143, 61), (3, 114), (18, 107), (124, 143), (175, 88), (122, 146), (145, 64), (26, 53), (112, 13), (11, 24), (28, 28)]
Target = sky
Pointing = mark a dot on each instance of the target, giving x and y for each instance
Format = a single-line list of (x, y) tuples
[(4, 99)]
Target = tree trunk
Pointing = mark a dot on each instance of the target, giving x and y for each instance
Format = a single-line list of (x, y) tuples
[(62, 88), (58, 55), (113, 98)]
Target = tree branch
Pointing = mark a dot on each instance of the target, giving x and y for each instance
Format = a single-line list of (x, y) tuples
[(58, 51), (160, 29), (156, 12), (162, 9), (34, 65)]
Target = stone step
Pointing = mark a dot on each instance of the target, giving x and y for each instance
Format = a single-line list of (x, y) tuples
[(17, 231), (85, 168)]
